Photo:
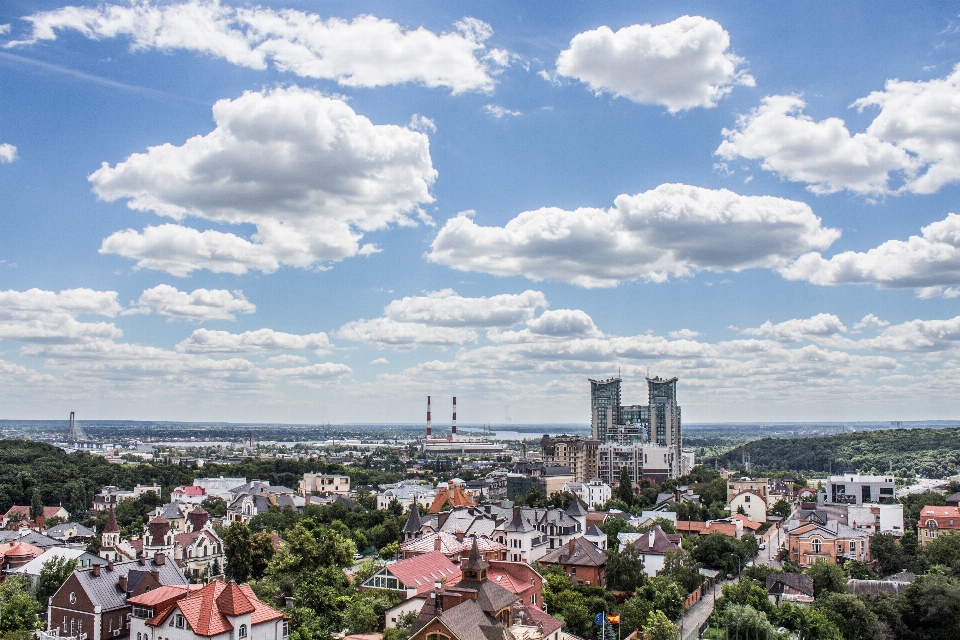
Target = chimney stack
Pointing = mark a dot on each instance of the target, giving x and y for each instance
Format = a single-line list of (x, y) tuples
[(453, 429), (122, 583), (110, 565), (429, 427), (160, 558), (436, 543), (96, 571)]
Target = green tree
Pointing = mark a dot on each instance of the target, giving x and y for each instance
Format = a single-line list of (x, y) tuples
[(390, 551), (53, 574), (261, 552), (743, 622), (238, 551), (852, 617), (659, 627), (782, 508), (931, 608), (827, 578), (18, 611), (361, 618), (887, 552), (624, 490), (944, 549), (624, 569), (682, 568), (216, 507), (36, 505), (665, 595), (614, 526)]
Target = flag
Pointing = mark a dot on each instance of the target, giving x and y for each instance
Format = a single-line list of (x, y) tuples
[(614, 618), (599, 619)]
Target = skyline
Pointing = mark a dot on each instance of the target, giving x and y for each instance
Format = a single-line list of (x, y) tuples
[(262, 213)]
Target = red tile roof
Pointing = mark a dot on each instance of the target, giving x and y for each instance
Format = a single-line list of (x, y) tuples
[(207, 609), (690, 526), (190, 491), (233, 602), (48, 512), (420, 572), (747, 522), (159, 595), (726, 528)]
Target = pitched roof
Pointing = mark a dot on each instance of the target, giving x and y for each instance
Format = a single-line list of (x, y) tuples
[(593, 530), (578, 552), (422, 571), (160, 594), (34, 566), (690, 526), (753, 525), (102, 590), (413, 523), (19, 549), (233, 602), (576, 509), (467, 621), (190, 491), (660, 543), (797, 581), (111, 526), (538, 617), (67, 527), (449, 545), (48, 512), (718, 526)]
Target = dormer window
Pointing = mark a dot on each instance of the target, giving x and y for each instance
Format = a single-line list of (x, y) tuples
[(242, 633)]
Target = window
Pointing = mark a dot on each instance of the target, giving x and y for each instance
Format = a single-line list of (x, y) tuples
[(242, 633), (533, 599), (931, 523), (437, 636), (853, 546), (817, 546), (285, 629), (73, 597), (181, 622)]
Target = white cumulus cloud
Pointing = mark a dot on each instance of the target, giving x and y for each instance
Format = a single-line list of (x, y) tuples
[(310, 173), (926, 262), (821, 325), (447, 309), (674, 229), (258, 341), (36, 315), (870, 321), (8, 153), (384, 332), (682, 64), (498, 112), (363, 52), (915, 137), (200, 304)]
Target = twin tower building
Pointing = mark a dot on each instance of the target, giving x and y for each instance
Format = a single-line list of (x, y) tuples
[(645, 440)]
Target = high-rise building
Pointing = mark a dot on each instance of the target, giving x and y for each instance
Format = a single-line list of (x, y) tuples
[(574, 452), (604, 407)]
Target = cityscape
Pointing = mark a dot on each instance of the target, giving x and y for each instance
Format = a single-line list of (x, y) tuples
[(486, 320)]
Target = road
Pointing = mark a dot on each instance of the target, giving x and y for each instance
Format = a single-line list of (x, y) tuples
[(701, 610)]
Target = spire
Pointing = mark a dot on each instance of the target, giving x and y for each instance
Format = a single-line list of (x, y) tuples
[(111, 526), (413, 524), (475, 568), (576, 508)]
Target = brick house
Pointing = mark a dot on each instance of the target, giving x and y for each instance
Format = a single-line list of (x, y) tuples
[(581, 560), (94, 601), (936, 520), (833, 542)]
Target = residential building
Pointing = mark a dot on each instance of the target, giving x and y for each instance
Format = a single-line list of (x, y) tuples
[(790, 587), (407, 493), (832, 542), (94, 601), (652, 548), (20, 513), (596, 536), (582, 561), (876, 518), (220, 487), (645, 461), (935, 521), (450, 495), (594, 493), (32, 569), (455, 546), (415, 575), (324, 483), (576, 453), (71, 533), (751, 503), (14, 555), (221, 611), (853, 488), (258, 497), (476, 608), (109, 497), (546, 478), (190, 494), (175, 514), (736, 486)]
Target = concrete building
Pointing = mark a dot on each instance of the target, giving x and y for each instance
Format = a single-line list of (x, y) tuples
[(853, 488), (594, 493), (736, 486), (876, 518), (643, 462), (324, 483), (576, 453), (547, 478)]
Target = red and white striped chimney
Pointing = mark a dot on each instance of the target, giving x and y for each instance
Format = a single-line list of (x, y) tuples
[(429, 428), (453, 429)]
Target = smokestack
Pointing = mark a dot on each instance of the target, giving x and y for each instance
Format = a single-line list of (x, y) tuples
[(429, 427), (453, 429)]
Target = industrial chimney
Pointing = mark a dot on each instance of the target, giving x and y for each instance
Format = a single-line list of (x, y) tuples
[(429, 428), (453, 429)]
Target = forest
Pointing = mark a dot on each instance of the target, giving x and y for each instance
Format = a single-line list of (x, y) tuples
[(932, 453)]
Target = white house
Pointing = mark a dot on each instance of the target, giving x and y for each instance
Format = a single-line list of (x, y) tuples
[(753, 504), (653, 546), (406, 494), (218, 611), (594, 493)]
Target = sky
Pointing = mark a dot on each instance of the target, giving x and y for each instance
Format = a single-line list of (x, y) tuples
[(316, 212)]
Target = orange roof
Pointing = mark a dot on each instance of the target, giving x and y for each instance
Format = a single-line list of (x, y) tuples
[(457, 498), (156, 596), (261, 612), (422, 571), (747, 522), (690, 526), (207, 609), (233, 602), (21, 549), (726, 528), (48, 512)]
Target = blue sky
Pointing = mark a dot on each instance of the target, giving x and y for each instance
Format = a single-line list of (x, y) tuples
[(313, 212)]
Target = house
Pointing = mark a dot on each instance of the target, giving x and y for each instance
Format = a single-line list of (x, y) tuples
[(94, 601), (175, 513), (29, 536), (190, 494), (407, 494), (258, 497), (597, 537), (832, 542), (479, 609), (790, 587), (451, 497), (936, 520), (749, 525), (199, 550), (594, 493), (324, 483), (32, 569), (415, 575), (736, 486), (221, 611), (71, 533), (17, 554), (109, 497), (582, 561), (454, 546), (953, 501), (726, 526), (220, 487), (750, 503), (19, 513), (653, 546)]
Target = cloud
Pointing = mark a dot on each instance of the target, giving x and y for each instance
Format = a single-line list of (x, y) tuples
[(926, 262), (310, 173), (819, 326), (870, 321), (423, 124), (447, 309), (384, 332), (674, 229), (498, 112), (918, 335), (312, 375), (380, 361), (201, 304), (287, 358), (684, 334), (822, 154), (259, 341), (680, 65), (8, 153), (45, 316), (364, 52), (915, 137)]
